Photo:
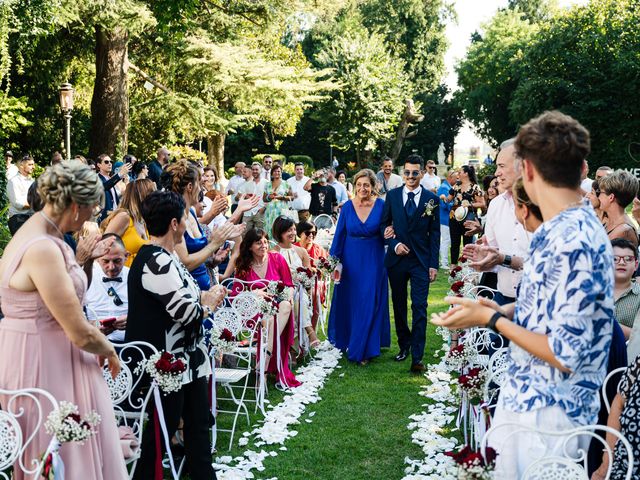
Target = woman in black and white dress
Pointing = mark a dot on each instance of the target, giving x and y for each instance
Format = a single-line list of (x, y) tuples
[(166, 309)]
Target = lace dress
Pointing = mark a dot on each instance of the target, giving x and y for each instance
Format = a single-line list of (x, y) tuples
[(302, 307)]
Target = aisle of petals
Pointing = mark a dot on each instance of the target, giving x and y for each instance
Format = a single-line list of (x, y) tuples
[(429, 427), (274, 429)]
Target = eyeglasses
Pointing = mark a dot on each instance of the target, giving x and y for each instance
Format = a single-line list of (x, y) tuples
[(107, 161), (625, 259), (116, 299), (411, 173), (311, 233)]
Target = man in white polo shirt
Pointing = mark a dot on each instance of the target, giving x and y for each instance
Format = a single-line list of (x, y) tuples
[(17, 189), (300, 186)]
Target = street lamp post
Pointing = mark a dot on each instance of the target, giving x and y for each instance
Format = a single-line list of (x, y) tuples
[(66, 106)]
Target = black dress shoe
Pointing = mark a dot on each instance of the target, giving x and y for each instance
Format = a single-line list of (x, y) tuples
[(402, 355), (418, 368)]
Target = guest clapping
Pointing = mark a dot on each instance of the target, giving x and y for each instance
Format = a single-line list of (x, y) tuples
[(166, 309)]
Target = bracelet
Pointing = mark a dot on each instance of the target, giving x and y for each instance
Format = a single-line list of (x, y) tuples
[(493, 320)]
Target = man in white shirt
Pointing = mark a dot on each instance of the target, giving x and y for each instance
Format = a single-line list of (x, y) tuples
[(431, 181), (17, 189), (267, 163), (300, 186), (12, 170), (387, 180), (234, 183), (505, 243), (106, 299), (254, 218), (341, 190)]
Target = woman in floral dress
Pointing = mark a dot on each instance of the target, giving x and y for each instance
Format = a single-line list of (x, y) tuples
[(277, 195)]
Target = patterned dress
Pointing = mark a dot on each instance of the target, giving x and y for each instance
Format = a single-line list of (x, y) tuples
[(275, 208)]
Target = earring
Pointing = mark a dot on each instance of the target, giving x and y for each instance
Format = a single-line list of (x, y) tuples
[(76, 217)]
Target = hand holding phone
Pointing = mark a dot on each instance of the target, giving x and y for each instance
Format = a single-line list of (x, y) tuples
[(108, 322)]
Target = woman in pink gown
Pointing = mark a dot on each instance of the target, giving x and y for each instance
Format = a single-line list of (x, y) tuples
[(255, 263), (45, 341)]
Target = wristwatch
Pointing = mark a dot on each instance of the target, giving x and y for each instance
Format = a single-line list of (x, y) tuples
[(493, 320), (507, 261)]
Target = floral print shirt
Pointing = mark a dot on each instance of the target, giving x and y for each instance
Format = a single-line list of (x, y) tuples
[(566, 294)]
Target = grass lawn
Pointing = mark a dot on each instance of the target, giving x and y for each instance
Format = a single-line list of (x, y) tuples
[(359, 430)]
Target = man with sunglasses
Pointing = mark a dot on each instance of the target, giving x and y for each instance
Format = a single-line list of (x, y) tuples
[(412, 256), (431, 181), (104, 165), (106, 300)]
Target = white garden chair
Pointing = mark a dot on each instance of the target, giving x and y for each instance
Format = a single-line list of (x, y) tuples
[(607, 379), (130, 391), (563, 463), (15, 439), (498, 367)]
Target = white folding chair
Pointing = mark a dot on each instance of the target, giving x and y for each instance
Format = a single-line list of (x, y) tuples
[(15, 439), (130, 391), (563, 463), (498, 366), (607, 379)]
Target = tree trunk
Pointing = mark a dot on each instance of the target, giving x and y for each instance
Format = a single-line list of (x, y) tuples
[(110, 102), (215, 155), (409, 118)]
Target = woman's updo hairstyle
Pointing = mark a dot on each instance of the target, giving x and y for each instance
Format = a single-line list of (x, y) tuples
[(70, 182), (178, 175)]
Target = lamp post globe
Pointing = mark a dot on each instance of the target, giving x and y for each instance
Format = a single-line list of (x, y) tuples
[(66, 106)]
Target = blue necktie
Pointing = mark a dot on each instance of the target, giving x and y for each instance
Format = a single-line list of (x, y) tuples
[(410, 206)]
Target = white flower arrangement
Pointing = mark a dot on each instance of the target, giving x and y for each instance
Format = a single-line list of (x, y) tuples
[(305, 277), (165, 369), (222, 340), (66, 424), (429, 208)]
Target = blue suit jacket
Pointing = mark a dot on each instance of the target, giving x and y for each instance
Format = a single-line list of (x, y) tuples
[(421, 233)]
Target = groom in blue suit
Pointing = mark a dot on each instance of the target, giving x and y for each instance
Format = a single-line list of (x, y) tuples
[(412, 255)]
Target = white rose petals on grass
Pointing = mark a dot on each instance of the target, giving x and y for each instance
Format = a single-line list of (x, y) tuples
[(275, 428), (429, 427)]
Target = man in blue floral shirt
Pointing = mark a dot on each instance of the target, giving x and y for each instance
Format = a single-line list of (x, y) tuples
[(562, 321)]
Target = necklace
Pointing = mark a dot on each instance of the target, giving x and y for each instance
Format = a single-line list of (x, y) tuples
[(52, 223)]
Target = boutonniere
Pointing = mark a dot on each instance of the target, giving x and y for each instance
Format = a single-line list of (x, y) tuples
[(429, 208)]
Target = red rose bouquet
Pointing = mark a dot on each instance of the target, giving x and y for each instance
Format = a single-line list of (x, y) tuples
[(326, 266), (472, 465), (221, 339), (305, 277), (472, 383), (165, 369)]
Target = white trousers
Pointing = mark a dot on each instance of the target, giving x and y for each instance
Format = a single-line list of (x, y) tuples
[(445, 244), (517, 451)]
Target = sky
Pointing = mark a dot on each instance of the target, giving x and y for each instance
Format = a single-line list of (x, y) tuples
[(471, 15)]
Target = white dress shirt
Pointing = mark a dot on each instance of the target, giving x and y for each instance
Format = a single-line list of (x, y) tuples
[(504, 231), (265, 174), (12, 171), (232, 186), (430, 181), (303, 199), (394, 181), (405, 198), (17, 189), (250, 186), (341, 192), (100, 305)]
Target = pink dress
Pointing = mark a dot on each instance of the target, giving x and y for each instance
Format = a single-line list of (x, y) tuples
[(278, 270), (35, 352)]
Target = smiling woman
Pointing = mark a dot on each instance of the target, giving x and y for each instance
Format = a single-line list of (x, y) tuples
[(359, 318)]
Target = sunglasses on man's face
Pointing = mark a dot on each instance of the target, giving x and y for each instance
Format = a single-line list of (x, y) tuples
[(411, 173), (107, 161)]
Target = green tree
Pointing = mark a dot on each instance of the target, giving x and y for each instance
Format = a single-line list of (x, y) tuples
[(363, 114), (585, 62), (491, 71), (535, 11)]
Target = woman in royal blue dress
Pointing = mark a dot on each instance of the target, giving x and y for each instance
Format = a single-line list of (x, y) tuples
[(359, 317)]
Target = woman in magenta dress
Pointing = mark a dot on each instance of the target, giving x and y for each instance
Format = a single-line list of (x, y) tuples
[(253, 264), (45, 340), (359, 317)]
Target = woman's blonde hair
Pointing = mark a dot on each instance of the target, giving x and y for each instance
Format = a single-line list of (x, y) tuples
[(522, 198), (131, 203), (178, 175), (368, 173), (70, 182)]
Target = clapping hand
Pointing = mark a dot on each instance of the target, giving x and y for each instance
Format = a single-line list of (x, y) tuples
[(473, 227), (225, 232), (214, 297), (248, 202), (466, 313), (219, 205), (124, 170), (483, 257), (90, 247)]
